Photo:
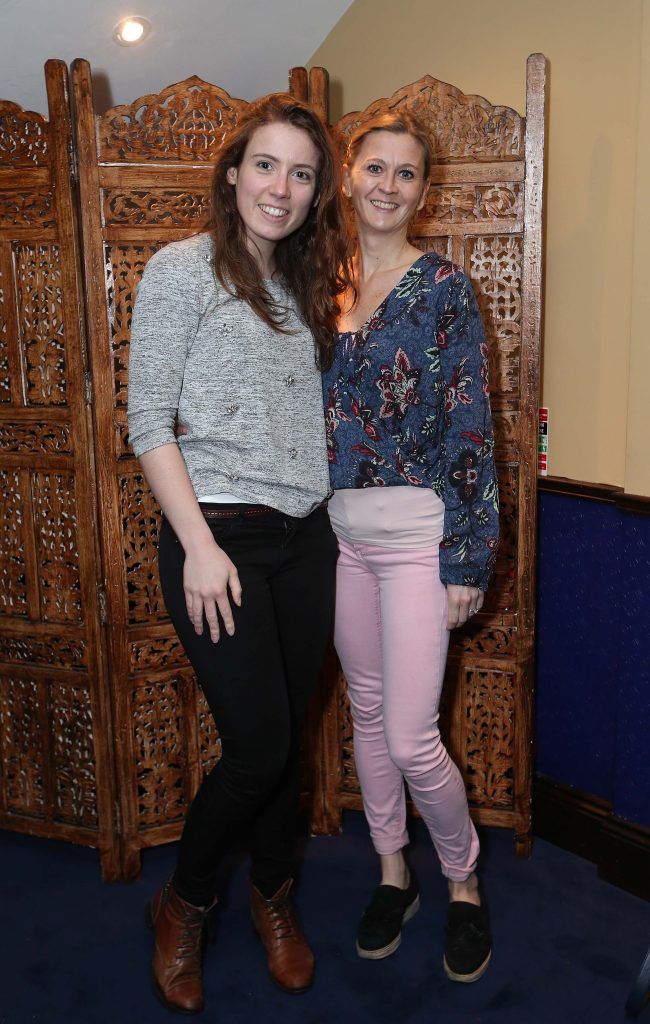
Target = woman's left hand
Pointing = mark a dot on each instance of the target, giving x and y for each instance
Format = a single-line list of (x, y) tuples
[(462, 602)]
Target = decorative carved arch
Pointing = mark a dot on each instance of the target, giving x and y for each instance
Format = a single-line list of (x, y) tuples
[(185, 122), (24, 137), (463, 128)]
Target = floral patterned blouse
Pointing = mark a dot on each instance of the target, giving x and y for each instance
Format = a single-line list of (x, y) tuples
[(406, 403)]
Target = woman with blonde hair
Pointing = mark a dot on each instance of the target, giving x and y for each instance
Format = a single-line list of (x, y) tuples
[(415, 511)]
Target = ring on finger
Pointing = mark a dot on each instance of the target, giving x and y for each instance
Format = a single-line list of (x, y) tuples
[(473, 611)]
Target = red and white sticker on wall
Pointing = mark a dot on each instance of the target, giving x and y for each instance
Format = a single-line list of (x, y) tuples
[(542, 442)]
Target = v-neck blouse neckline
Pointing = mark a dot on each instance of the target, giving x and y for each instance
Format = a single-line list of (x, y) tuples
[(384, 301)]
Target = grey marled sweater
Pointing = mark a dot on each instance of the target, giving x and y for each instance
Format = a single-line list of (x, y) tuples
[(250, 396)]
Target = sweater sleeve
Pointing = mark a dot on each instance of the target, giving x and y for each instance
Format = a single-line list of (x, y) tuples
[(469, 483), (165, 321)]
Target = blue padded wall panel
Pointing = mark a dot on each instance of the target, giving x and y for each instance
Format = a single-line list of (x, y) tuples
[(577, 642), (632, 767)]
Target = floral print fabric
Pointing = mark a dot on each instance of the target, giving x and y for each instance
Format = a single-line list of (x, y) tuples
[(407, 403)]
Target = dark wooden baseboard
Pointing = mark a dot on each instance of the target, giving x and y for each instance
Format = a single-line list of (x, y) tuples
[(586, 825), (609, 494)]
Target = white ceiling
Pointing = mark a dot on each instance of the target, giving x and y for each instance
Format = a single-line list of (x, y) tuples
[(244, 46)]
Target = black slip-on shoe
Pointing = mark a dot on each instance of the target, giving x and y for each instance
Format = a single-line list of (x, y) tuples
[(380, 929), (468, 947)]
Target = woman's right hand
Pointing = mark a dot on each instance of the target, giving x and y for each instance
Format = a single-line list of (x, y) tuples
[(207, 576), (208, 572)]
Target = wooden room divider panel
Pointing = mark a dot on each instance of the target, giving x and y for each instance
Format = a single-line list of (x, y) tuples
[(55, 728), (104, 733), (144, 171), (484, 212)]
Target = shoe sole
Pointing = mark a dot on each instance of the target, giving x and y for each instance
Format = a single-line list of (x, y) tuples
[(290, 991), (157, 991), (467, 978), (379, 954)]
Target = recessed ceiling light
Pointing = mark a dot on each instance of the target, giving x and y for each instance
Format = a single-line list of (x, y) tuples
[(131, 30)]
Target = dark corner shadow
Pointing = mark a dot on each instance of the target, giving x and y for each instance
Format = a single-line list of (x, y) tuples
[(336, 100), (102, 91)]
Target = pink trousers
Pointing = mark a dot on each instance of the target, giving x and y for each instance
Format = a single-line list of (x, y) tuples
[(391, 638)]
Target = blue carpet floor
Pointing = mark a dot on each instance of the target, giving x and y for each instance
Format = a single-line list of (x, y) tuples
[(567, 946)]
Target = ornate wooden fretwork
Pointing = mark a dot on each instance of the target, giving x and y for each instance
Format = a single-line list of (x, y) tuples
[(468, 204), (71, 724), (23, 138), (185, 122), (124, 266), (13, 592), (463, 128), (40, 319), (36, 437), (162, 206), (5, 378), (25, 208), (23, 746), (55, 737), (494, 266), (489, 753), (140, 518), (160, 746), (155, 653), (54, 504), (54, 650)]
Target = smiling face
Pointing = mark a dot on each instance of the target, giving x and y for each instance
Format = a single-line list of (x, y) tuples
[(275, 185), (386, 181)]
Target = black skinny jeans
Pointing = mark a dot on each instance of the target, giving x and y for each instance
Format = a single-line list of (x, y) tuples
[(257, 684)]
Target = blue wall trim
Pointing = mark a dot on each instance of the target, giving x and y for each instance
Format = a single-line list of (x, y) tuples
[(593, 651)]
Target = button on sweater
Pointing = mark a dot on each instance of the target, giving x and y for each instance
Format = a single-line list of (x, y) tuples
[(249, 395)]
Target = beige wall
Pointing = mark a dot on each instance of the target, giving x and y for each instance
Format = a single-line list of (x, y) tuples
[(594, 49), (637, 469)]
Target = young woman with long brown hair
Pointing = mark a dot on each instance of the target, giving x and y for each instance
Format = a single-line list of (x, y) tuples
[(230, 332)]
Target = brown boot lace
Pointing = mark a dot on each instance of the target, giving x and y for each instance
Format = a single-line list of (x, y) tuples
[(193, 928), (281, 918), (190, 938)]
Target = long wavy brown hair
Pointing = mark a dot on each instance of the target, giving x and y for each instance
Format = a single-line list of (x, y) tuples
[(312, 262)]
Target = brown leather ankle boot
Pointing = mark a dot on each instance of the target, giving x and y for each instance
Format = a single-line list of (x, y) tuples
[(176, 969), (290, 960)]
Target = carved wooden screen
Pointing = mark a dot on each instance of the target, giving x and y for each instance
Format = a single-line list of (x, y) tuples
[(145, 171), (484, 212), (57, 776)]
